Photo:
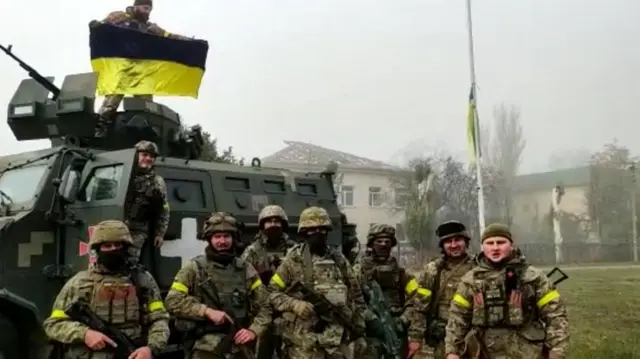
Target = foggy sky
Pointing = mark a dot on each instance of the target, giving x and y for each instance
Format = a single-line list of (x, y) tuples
[(369, 76)]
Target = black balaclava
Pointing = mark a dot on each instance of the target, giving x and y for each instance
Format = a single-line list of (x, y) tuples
[(273, 234), (317, 242), (113, 261)]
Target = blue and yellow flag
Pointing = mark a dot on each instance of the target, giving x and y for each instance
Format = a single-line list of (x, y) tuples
[(471, 126), (131, 62)]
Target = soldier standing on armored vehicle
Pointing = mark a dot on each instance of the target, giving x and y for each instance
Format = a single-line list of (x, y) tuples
[(441, 277), (506, 308), (133, 17), (213, 295), (147, 206), (318, 294), (125, 300), (265, 254), (397, 285)]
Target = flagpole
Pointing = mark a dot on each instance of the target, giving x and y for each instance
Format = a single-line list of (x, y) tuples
[(472, 70)]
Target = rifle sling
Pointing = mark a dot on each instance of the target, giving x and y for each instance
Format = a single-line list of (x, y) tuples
[(438, 289)]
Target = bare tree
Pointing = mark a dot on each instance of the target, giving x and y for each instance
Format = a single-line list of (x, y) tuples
[(504, 146), (436, 188)]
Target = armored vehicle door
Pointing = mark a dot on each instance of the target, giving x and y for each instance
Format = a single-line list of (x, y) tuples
[(101, 195)]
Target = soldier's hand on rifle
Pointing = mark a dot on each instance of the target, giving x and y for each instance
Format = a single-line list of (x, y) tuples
[(141, 353), (244, 336), (96, 340), (302, 308), (413, 349), (217, 316)]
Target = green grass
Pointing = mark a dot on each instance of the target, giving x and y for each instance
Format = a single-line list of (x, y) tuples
[(604, 312)]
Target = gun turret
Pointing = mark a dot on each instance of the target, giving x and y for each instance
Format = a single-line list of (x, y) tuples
[(68, 117), (46, 82)]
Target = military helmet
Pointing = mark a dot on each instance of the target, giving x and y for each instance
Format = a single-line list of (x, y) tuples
[(451, 229), (273, 211), (147, 146), (110, 232), (219, 222), (314, 217), (381, 231)]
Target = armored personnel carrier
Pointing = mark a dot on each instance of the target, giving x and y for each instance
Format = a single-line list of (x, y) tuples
[(50, 198)]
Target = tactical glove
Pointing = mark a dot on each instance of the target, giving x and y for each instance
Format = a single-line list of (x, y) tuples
[(301, 308)]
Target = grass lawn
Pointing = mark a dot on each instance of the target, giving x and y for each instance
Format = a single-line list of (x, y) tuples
[(604, 312)]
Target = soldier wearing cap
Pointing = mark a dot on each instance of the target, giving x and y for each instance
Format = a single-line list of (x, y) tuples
[(126, 300), (440, 279), (270, 246), (133, 17), (242, 299), (506, 308), (147, 206)]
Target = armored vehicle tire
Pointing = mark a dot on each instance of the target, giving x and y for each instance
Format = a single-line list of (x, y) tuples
[(8, 339)]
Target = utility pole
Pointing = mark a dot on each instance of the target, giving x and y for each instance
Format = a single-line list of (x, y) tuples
[(634, 217)]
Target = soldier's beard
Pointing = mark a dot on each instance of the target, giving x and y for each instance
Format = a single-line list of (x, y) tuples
[(317, 243), (273, 234), (113, 260), (222, 257), (144, 17)]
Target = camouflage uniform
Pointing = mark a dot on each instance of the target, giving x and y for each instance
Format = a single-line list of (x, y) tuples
[(266, 258), (509, 311), (147, 204), (397, 285), (237, 284), (128, 19), (305, 335), (440, 277), (134, 308)]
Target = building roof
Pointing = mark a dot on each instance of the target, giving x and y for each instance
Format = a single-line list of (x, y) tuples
[(303, 153), (569, 177)]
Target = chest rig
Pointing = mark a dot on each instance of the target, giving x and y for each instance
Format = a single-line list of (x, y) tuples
[(115, 299), (502, 300), (144, 198), (391, 277), (228, 283), (267, 260)]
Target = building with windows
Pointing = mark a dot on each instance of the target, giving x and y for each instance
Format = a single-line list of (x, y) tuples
[(362, 184)]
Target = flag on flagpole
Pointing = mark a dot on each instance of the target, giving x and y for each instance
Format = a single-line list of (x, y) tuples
[(471, 126)]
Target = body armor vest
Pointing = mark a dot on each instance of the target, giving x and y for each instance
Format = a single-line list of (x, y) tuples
[(144, 198), (229, 283), (391, 278), (115, 299), (329, 281), (449, 276), (504, 301), (267, 260)]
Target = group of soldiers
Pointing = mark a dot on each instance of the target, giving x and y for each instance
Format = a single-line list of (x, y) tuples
[(305, 299), (300, 298)]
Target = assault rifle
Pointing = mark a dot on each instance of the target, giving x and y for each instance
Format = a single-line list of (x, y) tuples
[(55, 91), (81, 312), (325, 310), (563, 276), (224, 347), (385, 328)]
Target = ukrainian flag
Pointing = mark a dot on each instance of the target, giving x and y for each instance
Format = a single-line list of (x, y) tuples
[(472, 141), (131, 62)]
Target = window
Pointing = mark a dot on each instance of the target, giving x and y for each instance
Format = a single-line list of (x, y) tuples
[(21, 184), (103, 184), (346, 196), (376, 197), (401, 198)]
